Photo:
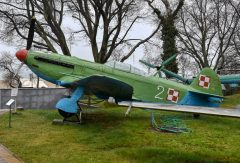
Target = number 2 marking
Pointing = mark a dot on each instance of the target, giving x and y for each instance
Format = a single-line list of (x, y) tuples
[(161, 90)]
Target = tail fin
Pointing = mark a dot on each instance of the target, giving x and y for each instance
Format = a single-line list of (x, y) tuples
[(207, 82)]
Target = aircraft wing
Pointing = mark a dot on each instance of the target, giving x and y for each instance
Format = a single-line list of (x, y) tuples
[(184, 108), (102, 86)]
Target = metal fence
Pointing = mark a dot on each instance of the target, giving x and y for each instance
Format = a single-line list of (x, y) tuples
[(33, 98)]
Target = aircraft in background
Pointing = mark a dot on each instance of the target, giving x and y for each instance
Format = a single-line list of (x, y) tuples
[(225, 79), (122, 82)]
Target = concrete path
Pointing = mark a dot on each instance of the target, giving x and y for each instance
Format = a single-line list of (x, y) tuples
[(7, 156)]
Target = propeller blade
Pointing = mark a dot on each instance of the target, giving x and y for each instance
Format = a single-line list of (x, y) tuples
[(159, 68), (169, 60), (176, 76), (20, 66), (159, 74), (147, 64), (31, 33)]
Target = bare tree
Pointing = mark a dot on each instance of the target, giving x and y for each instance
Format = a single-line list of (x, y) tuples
[(8, 65), (168, 16), (106, 24), (15, 19), (236, 39), (236, 42), (207, 29), (187, 66), (236, 5), (151, 54)]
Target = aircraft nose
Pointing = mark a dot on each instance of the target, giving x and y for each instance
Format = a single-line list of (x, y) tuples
[(22, 54)]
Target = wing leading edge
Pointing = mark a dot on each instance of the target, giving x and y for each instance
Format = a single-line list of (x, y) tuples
[(183, 108)]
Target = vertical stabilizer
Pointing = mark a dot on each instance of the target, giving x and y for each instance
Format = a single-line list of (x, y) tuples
[(207, 82)]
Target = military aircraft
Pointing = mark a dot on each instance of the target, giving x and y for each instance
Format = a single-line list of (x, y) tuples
[(120, 81)]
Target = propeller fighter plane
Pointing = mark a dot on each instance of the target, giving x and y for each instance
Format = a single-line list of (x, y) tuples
[(121, 81)]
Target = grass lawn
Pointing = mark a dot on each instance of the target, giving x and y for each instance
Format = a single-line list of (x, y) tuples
[(231, 101), (107, 136)]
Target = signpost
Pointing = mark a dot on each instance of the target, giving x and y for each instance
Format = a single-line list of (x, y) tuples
[(14, 93), (9, 103)]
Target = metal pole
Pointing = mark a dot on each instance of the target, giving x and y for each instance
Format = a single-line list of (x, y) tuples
[(10, 114), (37, 82), (0, 98), (15, 104)]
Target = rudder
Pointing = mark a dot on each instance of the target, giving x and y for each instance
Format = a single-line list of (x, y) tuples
[(207, 82)]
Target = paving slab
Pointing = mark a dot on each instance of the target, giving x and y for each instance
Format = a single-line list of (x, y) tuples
[(7, 156)]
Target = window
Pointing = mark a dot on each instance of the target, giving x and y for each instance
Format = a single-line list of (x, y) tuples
[(126, 67)]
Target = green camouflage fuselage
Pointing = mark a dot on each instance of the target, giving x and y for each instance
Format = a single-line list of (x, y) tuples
[(62, 70)]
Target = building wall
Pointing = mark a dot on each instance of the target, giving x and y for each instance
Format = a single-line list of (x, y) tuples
[(33, 98)]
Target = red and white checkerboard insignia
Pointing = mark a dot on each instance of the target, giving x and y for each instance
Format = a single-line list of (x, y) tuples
[(204, 81), (172, 95)]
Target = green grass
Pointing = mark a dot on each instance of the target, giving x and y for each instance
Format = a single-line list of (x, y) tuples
[(231, 101), (107, 136)]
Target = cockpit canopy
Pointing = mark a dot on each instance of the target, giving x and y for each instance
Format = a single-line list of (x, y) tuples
[(126, 67)]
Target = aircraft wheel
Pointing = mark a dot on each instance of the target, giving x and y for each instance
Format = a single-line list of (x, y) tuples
[(65, 114)]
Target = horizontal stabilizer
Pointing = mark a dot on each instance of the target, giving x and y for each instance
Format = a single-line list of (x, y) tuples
[(235, 113)]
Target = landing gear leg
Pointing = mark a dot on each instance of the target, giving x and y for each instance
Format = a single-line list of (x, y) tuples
[(69, 107), (79, 117), (129, 109)]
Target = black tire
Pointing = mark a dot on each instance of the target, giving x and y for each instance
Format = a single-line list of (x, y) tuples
[(65, 114)]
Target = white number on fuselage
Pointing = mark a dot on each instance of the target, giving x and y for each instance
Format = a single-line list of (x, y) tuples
[(161, 90)]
